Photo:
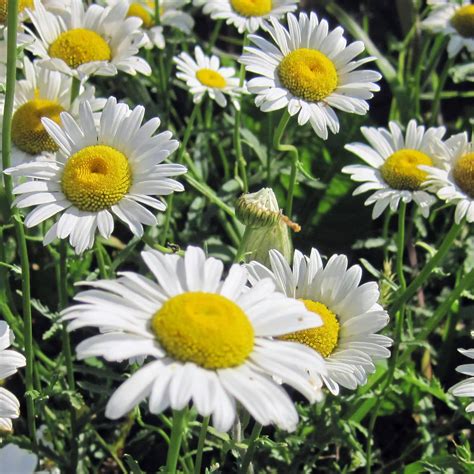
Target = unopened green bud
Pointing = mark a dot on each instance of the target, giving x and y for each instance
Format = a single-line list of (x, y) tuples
[(258, 209)]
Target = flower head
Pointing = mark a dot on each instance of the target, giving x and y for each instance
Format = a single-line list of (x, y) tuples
[(85, 42), (394, 161), (310, 71), (203, 74), (208, 339), (351, 316), (113, 168)]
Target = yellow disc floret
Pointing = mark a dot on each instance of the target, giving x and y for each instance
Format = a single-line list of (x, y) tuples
[(308, 74), (322, 338), (463, 21), (22, 5), (205, 328), (28, 133), (252, 7), (141, 12), (210, 78), (96, 178), (463, 173), (400, 170), (80, 46)]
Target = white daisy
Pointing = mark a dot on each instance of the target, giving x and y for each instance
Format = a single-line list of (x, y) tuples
[(15, 460), (42, 94), (394, 160), (247, 15), (208, 340), (85, 42), (454, 181), (113, 168), (204, 74), (455, 19), (351, 315), (466, 387), (309, 71), (10, 361), (171, 15)]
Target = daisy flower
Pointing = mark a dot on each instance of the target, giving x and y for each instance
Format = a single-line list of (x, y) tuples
[(309, 71), (208, 340), (455, 19), (42, 94), (14, 459), (247, 15), (112, 168), (171, 15), (10, 361), (454, 181), (351, 315), (23, 6), (393, 165), (85, 42), (466, 387), (203, 74)]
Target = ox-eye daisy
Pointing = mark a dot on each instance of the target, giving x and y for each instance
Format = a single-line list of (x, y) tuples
[(113, 168), (351, 315), (466, 387), (10, 361), (454, 181), (208, 339), (247, 15), (455, 19), (204, 74), (85, 42), (309, 71), (42, 94), (393, 165)]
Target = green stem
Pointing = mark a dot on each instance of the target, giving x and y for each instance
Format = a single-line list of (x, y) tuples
[(441, 83), (401, 245), (175, 441), (200, 447), (240, 251), (157, 13), (244, 468), (412, 288), (214, 35), (99, 249), (19, 229), (75, 88), (294, 162)]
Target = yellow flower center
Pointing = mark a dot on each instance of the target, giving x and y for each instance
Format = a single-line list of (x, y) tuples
[(205, 328), (401, 171), (211, 78), (252, 7), (141, 12), (22, 4), (463, 173), (28, 133), (463, 21), (80, 46), (96, 178), (308, 74), (322, 338)]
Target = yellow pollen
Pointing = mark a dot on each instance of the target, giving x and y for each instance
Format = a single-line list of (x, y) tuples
[(252, 7), (96, 178), (28, 133), (141, 12), (463, 21), (211, 78), (463, 173), (322, 338), (308, 74), (22, 5), (205, 328), (80, 46), (400, 170)]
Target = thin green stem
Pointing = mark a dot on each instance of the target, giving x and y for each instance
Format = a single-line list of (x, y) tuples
[(441, 83), (214, 35), (12, 24), (239, 255), (75, 88), (157, 13), (176, 437), (294, 160), (200, 447), (401, 245), (257, 429), (99, 254)]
